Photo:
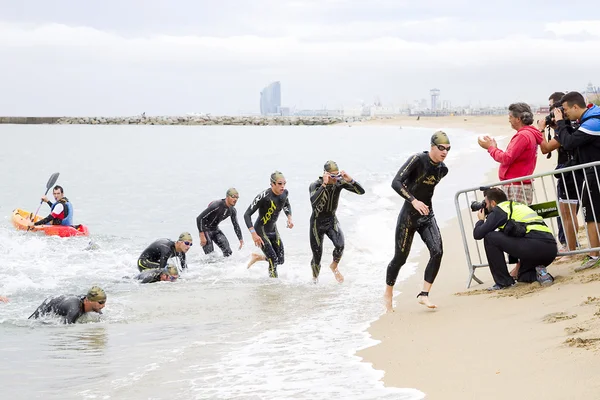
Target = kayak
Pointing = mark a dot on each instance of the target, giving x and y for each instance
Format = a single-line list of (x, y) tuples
[(21, 218)]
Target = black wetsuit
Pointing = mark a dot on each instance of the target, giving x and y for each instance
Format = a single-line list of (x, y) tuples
[(417, 180), (323, 221), (208, 222), (69, 307), (269, 206), (150, 275), (157, 255)]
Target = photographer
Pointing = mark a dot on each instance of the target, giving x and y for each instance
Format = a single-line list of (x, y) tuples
[(585, 142), (566, 187), (521, 233)]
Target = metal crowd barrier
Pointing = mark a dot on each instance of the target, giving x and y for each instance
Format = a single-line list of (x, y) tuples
[(545, 197)]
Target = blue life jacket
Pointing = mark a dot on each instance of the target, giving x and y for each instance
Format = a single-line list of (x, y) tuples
[(68, 220)]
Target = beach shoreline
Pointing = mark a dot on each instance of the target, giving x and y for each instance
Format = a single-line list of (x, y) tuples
[(476, 345)]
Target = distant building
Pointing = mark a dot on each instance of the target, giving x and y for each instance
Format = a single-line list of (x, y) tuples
[(270, 99), (435, 99)]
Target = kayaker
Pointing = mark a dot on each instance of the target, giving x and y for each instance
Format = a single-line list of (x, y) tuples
[(158, 253), (61, 211), (72, 307)]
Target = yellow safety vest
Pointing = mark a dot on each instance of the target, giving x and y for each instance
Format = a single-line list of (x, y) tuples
[(522, 213)]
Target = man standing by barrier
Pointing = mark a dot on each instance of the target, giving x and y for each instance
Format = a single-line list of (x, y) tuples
[(415, 182), (522, 234), (585, 141), (520, 156)]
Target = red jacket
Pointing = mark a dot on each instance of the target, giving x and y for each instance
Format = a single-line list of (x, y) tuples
[(520, 156)]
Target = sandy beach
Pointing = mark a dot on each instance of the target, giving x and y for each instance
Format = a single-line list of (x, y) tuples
[(521, 343)]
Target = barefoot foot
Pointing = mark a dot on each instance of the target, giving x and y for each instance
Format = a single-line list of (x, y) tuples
[(387, 299), (254, 258), (424, 300), (338, 275)]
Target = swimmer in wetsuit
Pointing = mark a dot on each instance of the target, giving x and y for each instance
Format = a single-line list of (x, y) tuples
[(158, 253), (269, 204), (324, 197), (208, 223), (415, 182), (72, 307), (170, 273)]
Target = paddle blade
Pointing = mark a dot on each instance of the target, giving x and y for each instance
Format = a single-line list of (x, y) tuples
[(52, 181)]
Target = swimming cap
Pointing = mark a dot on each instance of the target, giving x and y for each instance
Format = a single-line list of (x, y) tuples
[(276, 175), (232, 192), (331, 166), (171, 270), (96, 294), (440, 137), (185, 236)]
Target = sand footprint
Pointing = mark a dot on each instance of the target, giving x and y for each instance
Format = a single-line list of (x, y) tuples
[(558, 316), (582, 343), (571, 330)]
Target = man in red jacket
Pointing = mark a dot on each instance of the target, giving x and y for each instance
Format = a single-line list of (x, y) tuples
[(520, 156)]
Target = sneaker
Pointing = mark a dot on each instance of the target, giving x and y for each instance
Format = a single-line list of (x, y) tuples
[(543, 277), (499, 287), (588, 262)]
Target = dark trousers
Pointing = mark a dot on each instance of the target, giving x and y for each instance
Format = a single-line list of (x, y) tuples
[(533, 251), (220, 239)]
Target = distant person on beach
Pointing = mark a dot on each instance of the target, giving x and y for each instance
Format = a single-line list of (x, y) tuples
[(208, 223), (61, 211), (527, 237), (566, 184), (169, 273), (324, 197), (3, 299), (269, 204), (520, 156), (415, 182), (585, 141), (72, 307), (158, 253)]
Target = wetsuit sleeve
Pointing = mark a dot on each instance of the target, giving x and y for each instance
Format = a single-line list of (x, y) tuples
[(316, 190), (513, 151), (399, 182), (354, 187), (236, 226), (49, 203), (494, 220), (251, 210), (201, 220), (183, 260), (45, 220), (570, 141), (287, 208)]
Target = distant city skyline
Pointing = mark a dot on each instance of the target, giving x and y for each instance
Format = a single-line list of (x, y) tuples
[(125, 58)]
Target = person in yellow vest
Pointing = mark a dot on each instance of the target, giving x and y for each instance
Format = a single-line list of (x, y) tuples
[(514, 228)]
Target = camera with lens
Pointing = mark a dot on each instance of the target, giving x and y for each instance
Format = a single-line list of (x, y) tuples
[(550, 121), (478, 205)]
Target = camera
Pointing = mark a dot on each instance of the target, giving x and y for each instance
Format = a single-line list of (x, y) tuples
[(478, 205), (550, 117)]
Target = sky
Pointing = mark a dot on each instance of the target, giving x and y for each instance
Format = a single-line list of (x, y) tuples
[(196, 56)]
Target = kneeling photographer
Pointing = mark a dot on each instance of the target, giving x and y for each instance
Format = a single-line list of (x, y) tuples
[(513, 228)]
